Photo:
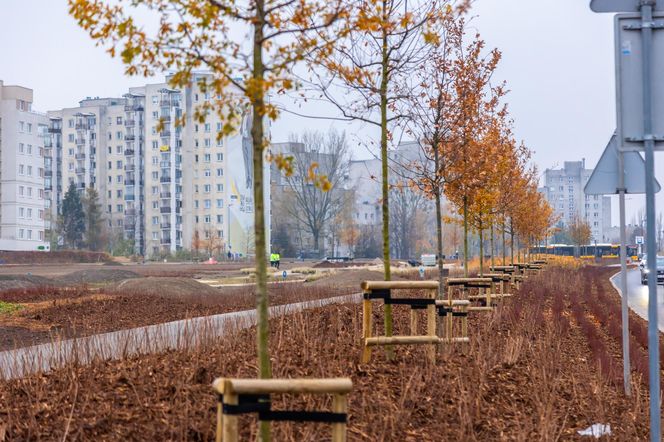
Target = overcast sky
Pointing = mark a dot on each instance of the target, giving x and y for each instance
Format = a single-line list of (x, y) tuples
[(557, 61)]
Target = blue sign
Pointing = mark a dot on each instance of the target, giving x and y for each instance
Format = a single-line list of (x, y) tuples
[(284, 274)]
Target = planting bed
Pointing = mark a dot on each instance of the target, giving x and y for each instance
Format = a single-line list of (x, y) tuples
[(539, 368), (48, 313)]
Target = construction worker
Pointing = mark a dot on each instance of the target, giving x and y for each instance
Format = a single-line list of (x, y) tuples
[(273, 259), (277, 258)]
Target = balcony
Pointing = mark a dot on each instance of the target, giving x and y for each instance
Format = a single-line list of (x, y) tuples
[(80, 186), (165, 118), (79, 156), (165, 226), (165, 179), (165, 134), (130, 167), (130, 137), (129, 197), (165, 164), (48, 173), (130, 212), (48, 143), (165, 210), (80, 170), (137, 107), (81, 126), (80, 141), (130, 123), (55, 130), (165, 102), (165, 241), (129, 152), (129, 182), (48, 187), (165, 195)]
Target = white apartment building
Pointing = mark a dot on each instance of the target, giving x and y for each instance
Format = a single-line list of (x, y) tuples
[(22, 198), (164, 185), (563, 189)]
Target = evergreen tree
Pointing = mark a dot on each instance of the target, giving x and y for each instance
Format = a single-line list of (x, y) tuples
[(73, 218), (95, 236)]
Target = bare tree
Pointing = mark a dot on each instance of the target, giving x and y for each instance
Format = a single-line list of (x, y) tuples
[(322, 155), (579, 232), (406, 205)]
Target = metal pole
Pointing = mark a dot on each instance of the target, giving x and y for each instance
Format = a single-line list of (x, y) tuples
[(623, 276), (649, 142)]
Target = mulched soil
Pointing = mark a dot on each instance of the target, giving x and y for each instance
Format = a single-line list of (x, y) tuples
[(51, 313), (528, 374), (8, 282)]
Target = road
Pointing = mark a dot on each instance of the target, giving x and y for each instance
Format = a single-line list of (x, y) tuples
[(637, 295), (142, 340)]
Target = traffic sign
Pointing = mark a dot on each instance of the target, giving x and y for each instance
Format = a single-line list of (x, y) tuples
[(620, 6), (638, 239), (284, 274), (605, 178), (629, 82)]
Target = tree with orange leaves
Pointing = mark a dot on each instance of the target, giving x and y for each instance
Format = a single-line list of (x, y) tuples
[(197, 34)]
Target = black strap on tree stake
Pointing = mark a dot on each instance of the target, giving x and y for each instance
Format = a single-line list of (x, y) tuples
[(260, 403), (386, 296)]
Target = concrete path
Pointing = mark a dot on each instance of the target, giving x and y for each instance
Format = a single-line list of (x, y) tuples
[(637, 296), (142, 340)]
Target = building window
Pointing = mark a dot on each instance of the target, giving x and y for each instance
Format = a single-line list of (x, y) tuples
[(110, 165), (119, 178), (155, 220), (118, 149), (207, 173), (155, 204), (21, 233), (208, 204), (220, 157), (118, 164), (207, 188), (207, 157), (207, 142), (21, 212), (155, 190), (196, 204), (120, 208), (118, 135), (220, 187), (220, 219), (220, 172), (20, 147), (119, 193), (29, 234), (220, 203), (21, 190), (207, 219), (29, 214), (207, 128), (41, 235), (21, 126), (29, 192), (118, 120), (21, 169), (155, 235), (29, 170)]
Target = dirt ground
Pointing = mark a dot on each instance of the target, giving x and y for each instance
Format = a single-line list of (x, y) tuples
[(49, 313), (531, 372)]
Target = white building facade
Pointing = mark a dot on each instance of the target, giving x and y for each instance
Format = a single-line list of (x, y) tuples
[(22, 171), (563, 189)]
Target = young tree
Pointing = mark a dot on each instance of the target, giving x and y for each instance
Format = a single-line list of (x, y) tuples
[(195, 34), (406, 205), (73, 218), (95, 234), (579, 232), (364, 77), (315, 206)]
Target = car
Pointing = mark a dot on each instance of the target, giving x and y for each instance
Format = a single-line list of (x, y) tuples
[(643, 267)]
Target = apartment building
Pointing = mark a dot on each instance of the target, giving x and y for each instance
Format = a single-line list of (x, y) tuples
[(22, 198), (162, 184), (563, 189)]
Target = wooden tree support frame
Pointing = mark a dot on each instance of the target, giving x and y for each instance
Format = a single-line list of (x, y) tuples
[(375, 290), (241, 396)]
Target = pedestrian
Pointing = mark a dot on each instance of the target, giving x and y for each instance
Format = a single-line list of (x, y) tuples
[(273, 259), (230, 255), (277, 257)]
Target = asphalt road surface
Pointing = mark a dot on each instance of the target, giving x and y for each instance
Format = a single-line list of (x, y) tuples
[(637, 296)]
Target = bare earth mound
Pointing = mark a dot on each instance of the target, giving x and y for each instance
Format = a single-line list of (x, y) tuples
[(97, 275), (178, 288), (8, 282)]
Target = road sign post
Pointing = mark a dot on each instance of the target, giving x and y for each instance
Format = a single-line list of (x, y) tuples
[(637, 100)]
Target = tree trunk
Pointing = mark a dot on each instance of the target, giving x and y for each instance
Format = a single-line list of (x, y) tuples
[(504, 244), (439, 240), (512, 241), (493, 263), (465, 236), (257, 136), (481, 231), (383, 153)]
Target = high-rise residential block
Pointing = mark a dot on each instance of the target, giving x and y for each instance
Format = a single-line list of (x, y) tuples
[(563, 189), (22, 171)]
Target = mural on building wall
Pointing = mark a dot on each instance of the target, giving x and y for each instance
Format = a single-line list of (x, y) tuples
[(240, 182)]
